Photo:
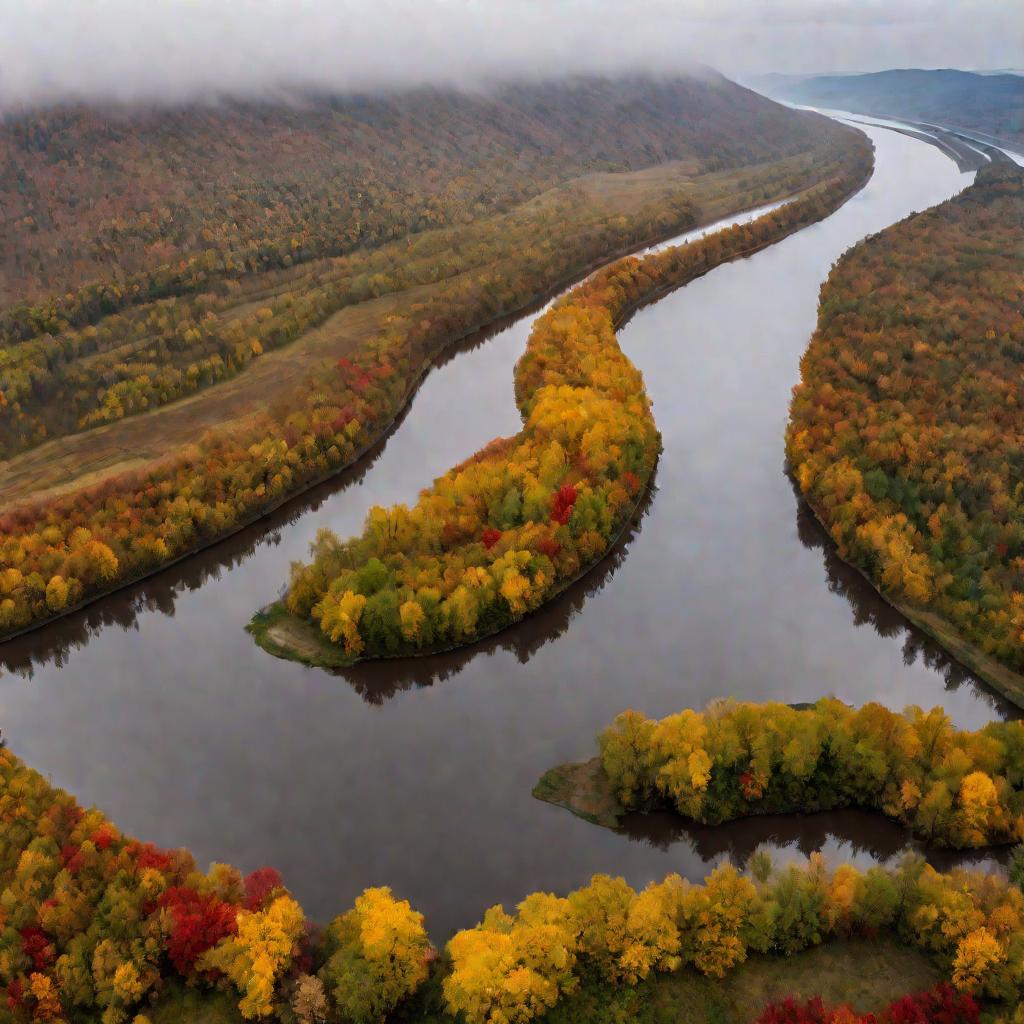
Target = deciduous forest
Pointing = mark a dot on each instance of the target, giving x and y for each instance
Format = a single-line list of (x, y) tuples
[(210, 305), (904, 432), (77, 524), (96, 922)]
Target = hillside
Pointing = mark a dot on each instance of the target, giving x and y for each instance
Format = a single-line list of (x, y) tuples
[(97, 195), (147, 255), (992, 103)]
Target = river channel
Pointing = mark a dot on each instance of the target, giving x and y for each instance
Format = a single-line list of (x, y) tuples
[(156, 706)]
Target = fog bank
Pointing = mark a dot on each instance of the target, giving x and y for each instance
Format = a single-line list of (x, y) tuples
[(173, 50)]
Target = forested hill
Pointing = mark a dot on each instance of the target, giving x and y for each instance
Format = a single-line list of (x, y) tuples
[(91, 196), (960, 99)]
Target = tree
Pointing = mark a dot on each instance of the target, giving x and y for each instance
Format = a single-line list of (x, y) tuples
[(196, 923), (378, 955), (309, 1003), (979, 956), (257, 956), (626, 748), (513, 969)]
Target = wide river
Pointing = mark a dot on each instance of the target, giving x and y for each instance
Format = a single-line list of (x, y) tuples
[(156, 706)]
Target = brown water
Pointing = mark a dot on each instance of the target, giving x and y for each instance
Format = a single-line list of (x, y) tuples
[(156, 706)]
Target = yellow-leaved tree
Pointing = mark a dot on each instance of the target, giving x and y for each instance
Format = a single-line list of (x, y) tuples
[(378, 953), (256, 958), (509, 970)]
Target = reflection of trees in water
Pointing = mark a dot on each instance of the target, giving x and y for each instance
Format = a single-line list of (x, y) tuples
[(378, 681), (871, 609), (865, 832), (56, 641)]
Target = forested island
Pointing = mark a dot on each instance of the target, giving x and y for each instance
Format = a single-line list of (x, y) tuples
[(904, 427), (950, 787)]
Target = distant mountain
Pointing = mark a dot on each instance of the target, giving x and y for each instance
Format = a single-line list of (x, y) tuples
[(986, 102)]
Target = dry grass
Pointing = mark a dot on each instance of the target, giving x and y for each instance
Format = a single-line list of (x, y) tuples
[(867, 975)]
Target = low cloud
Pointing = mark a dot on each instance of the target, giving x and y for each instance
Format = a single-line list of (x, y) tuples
[(174, 50)]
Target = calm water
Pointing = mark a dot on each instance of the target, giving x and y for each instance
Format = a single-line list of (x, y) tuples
[(156, 706)]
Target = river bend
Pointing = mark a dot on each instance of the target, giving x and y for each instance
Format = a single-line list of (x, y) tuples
[(156, 705)]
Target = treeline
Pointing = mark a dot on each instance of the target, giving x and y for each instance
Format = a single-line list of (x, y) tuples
[(905, 429), (516, 967), (513, 525), (953, 787), (95, 924), (75, 547)]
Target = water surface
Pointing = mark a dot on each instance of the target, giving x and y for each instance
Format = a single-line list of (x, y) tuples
[(156, 706)]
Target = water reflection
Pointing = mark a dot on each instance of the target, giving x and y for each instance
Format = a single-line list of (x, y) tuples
[(378, 681), (869, 608), (867, 834)]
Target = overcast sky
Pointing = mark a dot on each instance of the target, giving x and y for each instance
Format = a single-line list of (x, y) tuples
[(180, 48)]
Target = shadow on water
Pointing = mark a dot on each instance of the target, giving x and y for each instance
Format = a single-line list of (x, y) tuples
[(378, 681), (869, 608), (865, 832)]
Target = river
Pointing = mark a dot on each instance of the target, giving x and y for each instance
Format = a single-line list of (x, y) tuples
[(156, 706)]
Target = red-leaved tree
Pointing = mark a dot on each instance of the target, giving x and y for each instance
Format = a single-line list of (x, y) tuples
[(198, 922)]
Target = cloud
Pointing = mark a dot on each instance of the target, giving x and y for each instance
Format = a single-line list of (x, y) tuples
[(182, 49)]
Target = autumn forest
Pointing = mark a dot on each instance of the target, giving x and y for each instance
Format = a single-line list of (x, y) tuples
[(481, 379)]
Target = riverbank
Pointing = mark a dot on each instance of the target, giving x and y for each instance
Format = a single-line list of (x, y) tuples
[(584, 789), (1003, 679), (597, 369), (965, 157), (906, 462)]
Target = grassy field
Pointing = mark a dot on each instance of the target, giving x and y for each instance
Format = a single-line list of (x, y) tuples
[(867, 975)]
